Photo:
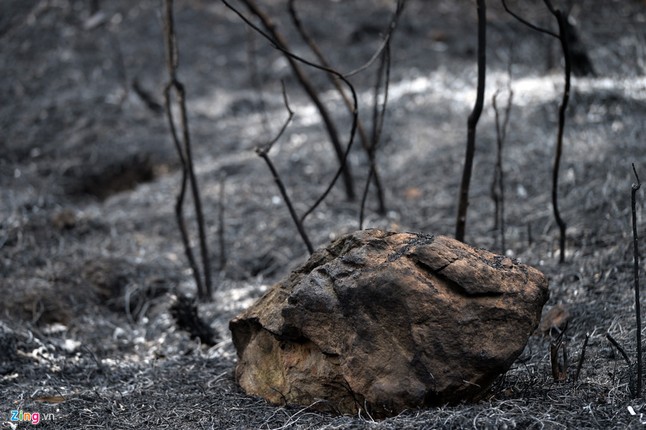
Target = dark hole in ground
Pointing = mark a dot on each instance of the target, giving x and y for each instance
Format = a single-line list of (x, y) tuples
[(101, 180)]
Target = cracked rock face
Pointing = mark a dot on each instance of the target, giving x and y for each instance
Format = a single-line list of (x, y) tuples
[(382, 322)]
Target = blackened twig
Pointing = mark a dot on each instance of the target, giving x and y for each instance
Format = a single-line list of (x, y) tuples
[(267, 147), (221, 224), (186, 158), (498, 184), (635, 187), (385, 42), (254, 77), (379, 111), (355, 113), (619, 348), (559, 369), (179, 202), (562, 23), (279, 41), (147, 98), (288, 202), (581, 357), (335, 80), (472, 122), (527, 23), (378, 115), (263, 152), (374, 175), (563, 38)]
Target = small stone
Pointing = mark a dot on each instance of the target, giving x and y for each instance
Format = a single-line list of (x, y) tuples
[(382, 322)]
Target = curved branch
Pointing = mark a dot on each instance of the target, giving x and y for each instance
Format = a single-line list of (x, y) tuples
[(384, 43), (337, 84), (561, 19), (279, 42), (527, 23), (186, 157)]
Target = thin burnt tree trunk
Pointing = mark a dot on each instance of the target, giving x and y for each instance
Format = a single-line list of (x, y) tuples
[(561, 19), (183, 146), (472, 122)]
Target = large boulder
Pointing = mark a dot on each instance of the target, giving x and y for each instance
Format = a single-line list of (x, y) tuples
[(383, 322)]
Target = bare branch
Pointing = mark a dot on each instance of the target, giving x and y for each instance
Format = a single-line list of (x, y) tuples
[(563, 38), (527, 23), (635, 187), (561, 19), (472, 123), (619, 348), (498, 184), (185, 154), (280, 43), (267, 147), (221, 224), (263, 152), (385, 42), (378, 115), (581, 357), (374, 175), (179, 203)]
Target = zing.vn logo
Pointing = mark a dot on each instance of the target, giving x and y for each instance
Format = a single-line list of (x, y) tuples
[(34, 418)]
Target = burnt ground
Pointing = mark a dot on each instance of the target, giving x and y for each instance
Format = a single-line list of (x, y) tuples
[(90, 253)]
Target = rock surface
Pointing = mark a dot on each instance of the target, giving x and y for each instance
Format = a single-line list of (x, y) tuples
[(383, 322)]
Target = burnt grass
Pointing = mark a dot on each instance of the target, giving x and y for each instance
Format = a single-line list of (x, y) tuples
[(90, 255)]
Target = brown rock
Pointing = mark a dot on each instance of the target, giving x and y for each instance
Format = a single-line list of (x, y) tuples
[(384, 322)]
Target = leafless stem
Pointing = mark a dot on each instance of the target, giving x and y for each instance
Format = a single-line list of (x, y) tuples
[(561, 19), (385, 42), (378, 115), (254, 77), (279, 41), (292, 58), (472, 122), (263, 152), (498, 185), (563, 38), (581, 357), (619, 348), (374, 175), (559, 369), (183, 147), (179, 202), (221, 224), (635, 187), (527, 23)]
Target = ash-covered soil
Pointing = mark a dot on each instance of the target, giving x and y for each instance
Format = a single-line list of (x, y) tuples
[(91, 257)]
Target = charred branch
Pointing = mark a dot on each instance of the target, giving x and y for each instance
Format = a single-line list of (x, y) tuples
[(263, 152), (635, 187), (295, 58), (278, 40), (498, 182), (472, 122), (183, 147), (562, 36)]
